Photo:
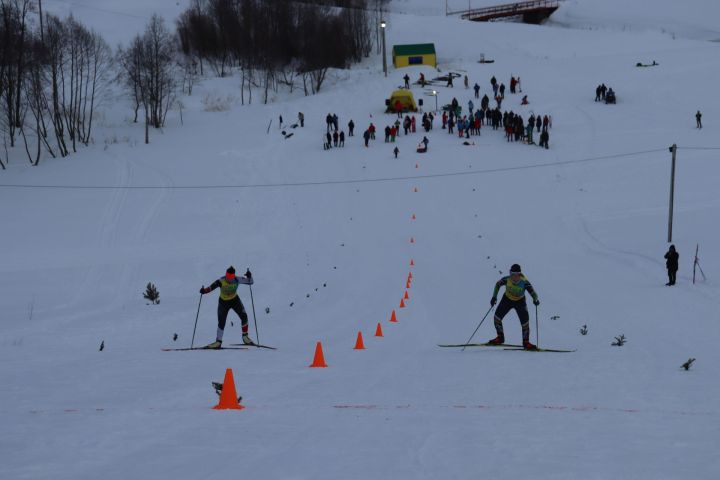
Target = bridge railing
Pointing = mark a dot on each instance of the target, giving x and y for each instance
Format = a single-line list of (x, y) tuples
[(518, 7)]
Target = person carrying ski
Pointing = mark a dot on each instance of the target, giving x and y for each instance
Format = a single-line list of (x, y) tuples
[(671, 263), (514, 298), (229, 300)]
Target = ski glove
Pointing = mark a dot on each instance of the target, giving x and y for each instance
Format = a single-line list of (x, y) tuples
[(536, 302), (204, 290), (493, 301), (248, 274)]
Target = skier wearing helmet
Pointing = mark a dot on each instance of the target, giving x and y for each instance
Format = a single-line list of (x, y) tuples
[(514, 298)]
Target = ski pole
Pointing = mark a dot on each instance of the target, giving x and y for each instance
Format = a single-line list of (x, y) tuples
[(196, 319), (252, 302), (478, 327), (537, 330)]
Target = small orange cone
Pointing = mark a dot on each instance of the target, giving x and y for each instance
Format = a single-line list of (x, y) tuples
[(228, 396), (402, 303), (393, 317), (319, 360), (359, 345), (410, 275), (413, 217), (412, 239), (406, 297), (378, 330), (407, 285), (412, 263)]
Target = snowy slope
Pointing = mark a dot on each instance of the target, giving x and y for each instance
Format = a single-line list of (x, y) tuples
[(586, 219)]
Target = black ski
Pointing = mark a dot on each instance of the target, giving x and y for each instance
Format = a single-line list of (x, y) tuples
[(541, 350), (200, 348), (253, 345), (481, 345)]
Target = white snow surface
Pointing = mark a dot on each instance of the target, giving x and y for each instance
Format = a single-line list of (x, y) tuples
[(328, 232)]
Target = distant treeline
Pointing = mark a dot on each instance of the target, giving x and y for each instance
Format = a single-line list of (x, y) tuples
[(274, 41), (54, 72)]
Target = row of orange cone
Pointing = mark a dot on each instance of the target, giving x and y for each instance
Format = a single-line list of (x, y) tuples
[(228, 397)]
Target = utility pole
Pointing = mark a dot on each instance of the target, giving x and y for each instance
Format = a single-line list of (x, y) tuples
[(673, 150), (382, 26)]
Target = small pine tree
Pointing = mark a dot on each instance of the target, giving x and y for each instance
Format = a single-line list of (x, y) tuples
[(687, 364), (619, 341), (152, 294)]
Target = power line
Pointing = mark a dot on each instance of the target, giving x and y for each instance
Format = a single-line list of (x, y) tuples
[(698, 148), (332, 182)]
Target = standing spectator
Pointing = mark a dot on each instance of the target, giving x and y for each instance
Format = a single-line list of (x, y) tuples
[(351, 127), (335, 121), (502, 90), (545, 123), (328, 137), (281, 122), (513, 82), (301, 119), (476, 87), (396, 150), (387, 134), (466, 81), (335, 138), (407, 81), (398, 108), (371, 130), (366, 137), (412, 124), (671, 262), (450, 80), (328, 121), (544, 138), (342, 138), (698, 119)]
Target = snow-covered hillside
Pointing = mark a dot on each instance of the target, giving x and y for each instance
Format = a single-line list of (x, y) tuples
[(328, 234)]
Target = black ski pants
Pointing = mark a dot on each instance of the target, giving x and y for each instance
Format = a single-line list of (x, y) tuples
[(224, 307), (520, 307)]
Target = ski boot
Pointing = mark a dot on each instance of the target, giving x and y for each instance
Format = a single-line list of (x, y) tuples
[(529, 346), (216, 345), (499, 340), (247, 340)]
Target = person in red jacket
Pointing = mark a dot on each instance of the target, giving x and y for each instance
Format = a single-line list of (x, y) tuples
[(229, 300)]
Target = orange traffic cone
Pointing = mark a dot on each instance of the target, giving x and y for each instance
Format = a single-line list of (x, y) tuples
[(412, 263), (402, 303), (406, 297), (319, 360), (228, 396), (410, 275), (359, 345), (407, 285), (393, 317), (378, 330)]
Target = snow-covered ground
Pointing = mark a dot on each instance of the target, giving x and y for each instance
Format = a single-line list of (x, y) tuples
[(327, 236)]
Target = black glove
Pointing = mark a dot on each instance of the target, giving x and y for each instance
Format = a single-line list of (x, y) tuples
[(203, 291), (536, 302), (493, 301), (248, 274)]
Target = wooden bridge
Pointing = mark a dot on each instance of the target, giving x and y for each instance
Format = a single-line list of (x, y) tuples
[(532, 12)]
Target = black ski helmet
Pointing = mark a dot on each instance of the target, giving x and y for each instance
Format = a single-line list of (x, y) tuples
[(231, 270), (515, 268)]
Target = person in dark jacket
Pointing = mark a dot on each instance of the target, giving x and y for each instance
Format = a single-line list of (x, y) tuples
[(351, 127), (671, 262), (515, 286), (229, 300)]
